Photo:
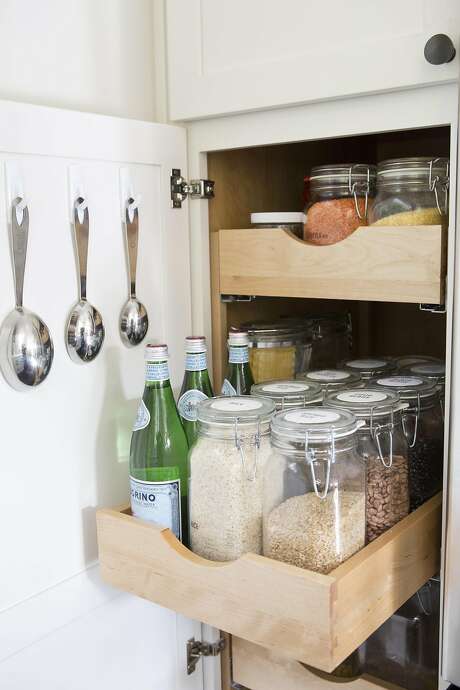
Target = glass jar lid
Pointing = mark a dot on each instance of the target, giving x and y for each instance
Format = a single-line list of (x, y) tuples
[(289, 393), (365, 403), (332, 378), (423, 170), (331, 322), (312, 425), (359, 177), (262, 334), (224, 411), (370, 366), (406, 361), (278, 218), (435, 371), (408, 387)]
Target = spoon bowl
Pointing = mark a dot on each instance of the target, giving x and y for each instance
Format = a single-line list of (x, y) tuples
[(85, 332), (134, 322)]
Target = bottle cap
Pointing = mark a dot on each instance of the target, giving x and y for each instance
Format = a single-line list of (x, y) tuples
[(156, 353), (195, 343), (238, 338)]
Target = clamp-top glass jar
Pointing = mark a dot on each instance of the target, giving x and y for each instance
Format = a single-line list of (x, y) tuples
[(331, 339), (331, 380), (434, 370), (278, 351), (314, 489), (423, 425), (226, 476), (338, 201), (383, 445), (288, 394), (411, 191), (370, 367)]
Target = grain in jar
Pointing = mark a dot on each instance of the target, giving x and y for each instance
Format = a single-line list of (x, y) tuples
[(287, 394), (383, 446), (278, 351), (226, 476), (314, 489)]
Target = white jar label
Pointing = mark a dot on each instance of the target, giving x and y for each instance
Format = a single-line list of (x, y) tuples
[(196, 361), (236, 405), (188, 403), (328, 375), (238, 355), (366, 363), (312, 416), (157, 502), (157, 371), (362, 395), (429, 369), (227, 389), (400, 381), (142, 418), (286, 388)]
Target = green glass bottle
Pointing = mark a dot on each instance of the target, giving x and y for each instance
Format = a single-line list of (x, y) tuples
[(239, 377), (159, 449), (196, 385)]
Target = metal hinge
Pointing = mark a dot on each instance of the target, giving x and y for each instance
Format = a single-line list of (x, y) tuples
[(196, 649), (433, 308), (197, 189), (237, 298)]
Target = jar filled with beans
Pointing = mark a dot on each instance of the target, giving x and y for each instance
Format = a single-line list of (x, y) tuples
[(384, 447), (423, 426), (338, 199)]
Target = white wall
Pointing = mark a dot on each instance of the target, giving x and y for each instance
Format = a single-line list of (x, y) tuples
[(94, 55)]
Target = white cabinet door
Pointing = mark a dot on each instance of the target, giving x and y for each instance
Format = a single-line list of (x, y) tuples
[(65, 446), (227, 57)]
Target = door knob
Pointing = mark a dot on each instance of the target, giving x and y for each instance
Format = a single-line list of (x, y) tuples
[(439, 49)]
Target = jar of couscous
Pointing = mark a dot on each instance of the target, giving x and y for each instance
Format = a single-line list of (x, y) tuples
[(278, 351)]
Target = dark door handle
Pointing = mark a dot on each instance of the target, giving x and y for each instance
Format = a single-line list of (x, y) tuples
[(439, 49)]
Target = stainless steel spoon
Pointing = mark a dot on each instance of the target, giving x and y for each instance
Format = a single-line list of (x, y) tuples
[(134, 320), (26, 347), (85, 330)]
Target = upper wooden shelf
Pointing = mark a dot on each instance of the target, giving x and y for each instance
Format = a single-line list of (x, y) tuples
[(383, 264), (317, 619)]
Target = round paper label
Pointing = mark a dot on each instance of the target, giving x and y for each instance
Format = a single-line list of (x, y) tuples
[(400, 381), (362, 396), (433, 369), (328, 375), (366, 363), (286, 388), (236, 405), (312, 416)]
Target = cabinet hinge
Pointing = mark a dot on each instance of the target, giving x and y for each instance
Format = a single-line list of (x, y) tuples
[(196, 649), (237, 298), (196, 189), (433, 308)]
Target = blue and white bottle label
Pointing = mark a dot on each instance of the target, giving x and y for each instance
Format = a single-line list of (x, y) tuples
[(157, 371), (142, 417), (196, 361), (188, 403), (227, 388), (157, 502), (238, 355)]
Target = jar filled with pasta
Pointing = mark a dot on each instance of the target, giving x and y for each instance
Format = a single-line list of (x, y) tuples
[(278, 351)]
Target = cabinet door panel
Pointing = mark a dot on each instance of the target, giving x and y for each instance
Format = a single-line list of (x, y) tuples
[(240, 56)]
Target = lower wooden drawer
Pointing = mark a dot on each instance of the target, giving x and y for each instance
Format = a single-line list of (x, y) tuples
[(318, 619)]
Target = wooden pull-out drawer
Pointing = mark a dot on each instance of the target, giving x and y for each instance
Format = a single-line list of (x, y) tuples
[(318, 619)]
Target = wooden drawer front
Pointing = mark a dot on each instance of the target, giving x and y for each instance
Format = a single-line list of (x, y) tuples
[(387, 264), (257, 668), (318, 619)]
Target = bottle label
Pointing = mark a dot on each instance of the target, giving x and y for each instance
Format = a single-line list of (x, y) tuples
[(196, 361), (312, 416), (157, 502), (142, 417), (227, 388), (362, 396), (238, 355), (188, 403), (157, 371)]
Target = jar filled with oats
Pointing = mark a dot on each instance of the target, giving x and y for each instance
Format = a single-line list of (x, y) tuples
[(314, 489), (384, 448)]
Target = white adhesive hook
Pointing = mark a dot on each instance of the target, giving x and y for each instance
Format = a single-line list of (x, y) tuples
[(129, 200), (77, 191), (15, 189)]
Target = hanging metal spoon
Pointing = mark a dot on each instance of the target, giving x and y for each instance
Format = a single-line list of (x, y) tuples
[(85, 330), (26, 347), (134, 320)]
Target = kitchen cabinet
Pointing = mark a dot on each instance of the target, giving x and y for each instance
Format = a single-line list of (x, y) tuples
[(237, 57)]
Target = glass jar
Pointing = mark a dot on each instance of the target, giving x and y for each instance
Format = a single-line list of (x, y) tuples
[(423, 425), (331, 339), (226, 476), (383, 445), (332, 379), (370, 367), (285, 220), (314, 489), (288, 394), (338, 201), (434, 371), (411, 191), (278, 351)]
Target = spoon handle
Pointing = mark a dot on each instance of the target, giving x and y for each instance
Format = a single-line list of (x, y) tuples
[(132, 237), (81, 238), (19, 234)]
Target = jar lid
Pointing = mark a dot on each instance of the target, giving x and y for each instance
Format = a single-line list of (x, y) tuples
[(195, 343), (329, 378), (435, 370), (278, 217), (344, 174), (331, 321), (156, 353), (364, 402), (408, 387), (225, 411), (370, 366), (318, 424), (419, 168), (288, 391), (409, 360), (263, 334)]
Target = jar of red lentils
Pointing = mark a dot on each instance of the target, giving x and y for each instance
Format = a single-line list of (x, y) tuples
[(338, 201)]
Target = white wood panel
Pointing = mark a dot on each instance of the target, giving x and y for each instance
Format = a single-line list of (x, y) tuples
[(234, 57)]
